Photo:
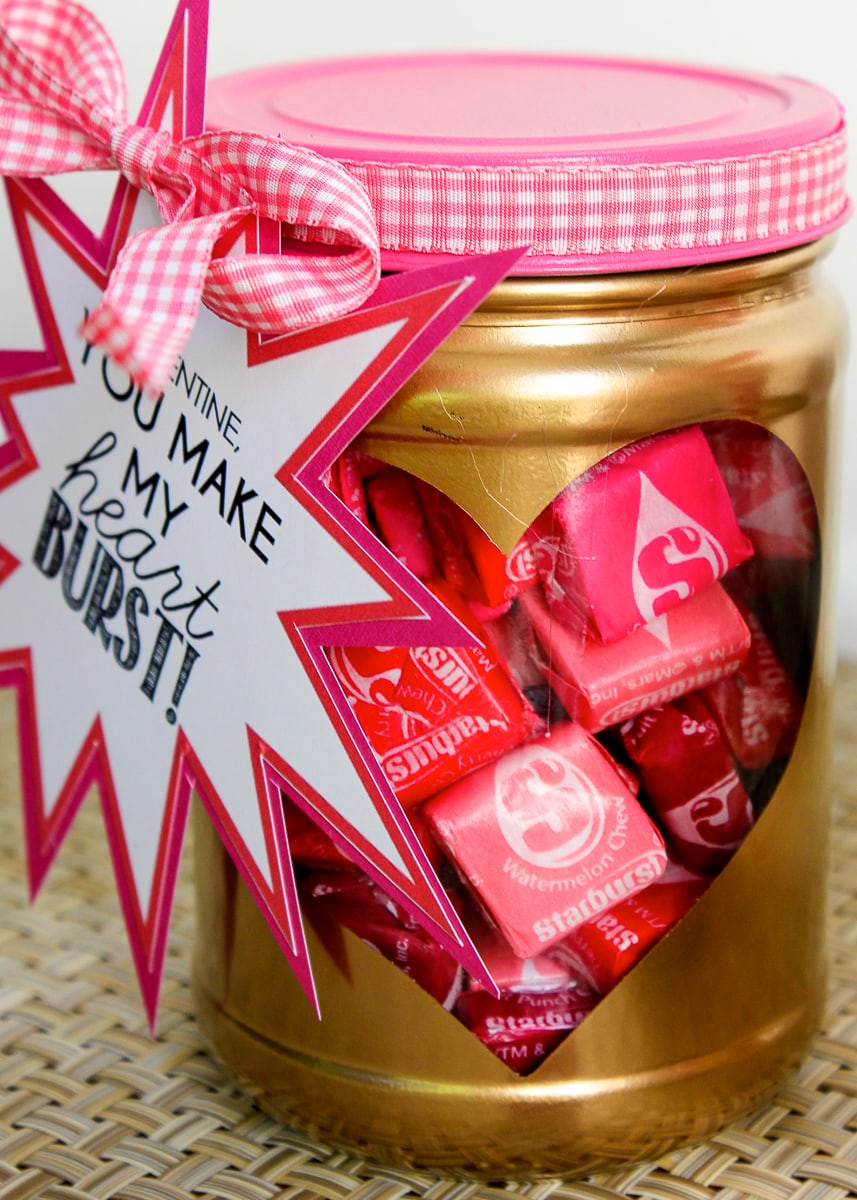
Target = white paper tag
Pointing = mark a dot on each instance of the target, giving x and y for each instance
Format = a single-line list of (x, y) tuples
[(173, 570)]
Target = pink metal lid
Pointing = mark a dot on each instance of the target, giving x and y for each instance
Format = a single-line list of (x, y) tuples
[(595, 164)]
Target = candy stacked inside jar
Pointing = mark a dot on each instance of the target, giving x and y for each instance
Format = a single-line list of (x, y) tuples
[(627, 689)]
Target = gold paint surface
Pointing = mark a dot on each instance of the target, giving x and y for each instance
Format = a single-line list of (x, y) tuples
[(547, 378)]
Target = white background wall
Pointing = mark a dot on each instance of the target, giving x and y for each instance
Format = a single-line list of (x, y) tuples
[(813, 40)]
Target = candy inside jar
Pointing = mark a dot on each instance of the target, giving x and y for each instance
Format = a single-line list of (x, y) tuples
[(581, 768)]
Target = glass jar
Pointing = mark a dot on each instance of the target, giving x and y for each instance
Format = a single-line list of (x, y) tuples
[(594, 362)]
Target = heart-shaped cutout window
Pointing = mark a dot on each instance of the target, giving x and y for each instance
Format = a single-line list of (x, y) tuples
[(580, 776)]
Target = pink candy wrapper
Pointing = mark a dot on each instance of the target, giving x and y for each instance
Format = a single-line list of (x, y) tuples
[(542, 973), (547, 837), (693, 644), (768, 489), (637, 534)]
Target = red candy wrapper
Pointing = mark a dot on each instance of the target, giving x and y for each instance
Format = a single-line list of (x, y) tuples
[(352, 897), (399, 517), (437, 680), (501, 578), (769, 491), (470, 562), (444, 523), (361, 906), (418, 955), (690, 779), (543, 973), (603, 951), (637, 534), (421, 765), (349, 474), (369, 676), (308, 845), (759, 708), (547, 837), (696, 643), (522, 1029), (433, 713)]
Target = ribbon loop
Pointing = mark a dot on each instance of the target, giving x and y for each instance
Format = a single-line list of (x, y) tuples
[(62, 107)]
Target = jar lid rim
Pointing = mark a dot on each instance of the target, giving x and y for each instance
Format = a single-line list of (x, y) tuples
[(593, 163)]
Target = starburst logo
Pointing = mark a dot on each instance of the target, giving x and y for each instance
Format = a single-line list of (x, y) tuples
[(674, 555), (173, 570)]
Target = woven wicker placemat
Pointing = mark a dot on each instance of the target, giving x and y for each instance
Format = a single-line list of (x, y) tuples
[(91, 1106)]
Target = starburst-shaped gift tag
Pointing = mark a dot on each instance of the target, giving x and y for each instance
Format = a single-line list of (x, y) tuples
[(173, 567)]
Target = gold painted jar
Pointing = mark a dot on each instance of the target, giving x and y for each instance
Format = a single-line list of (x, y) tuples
[(719, 318)]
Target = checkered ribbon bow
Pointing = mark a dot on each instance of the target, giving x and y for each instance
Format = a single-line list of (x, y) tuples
[(63, 108)]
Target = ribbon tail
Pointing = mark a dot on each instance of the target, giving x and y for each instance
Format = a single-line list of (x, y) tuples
[(152, 300)]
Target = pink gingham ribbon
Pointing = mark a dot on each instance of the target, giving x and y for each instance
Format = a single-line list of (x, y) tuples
[(63, 108), (563, 208)]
